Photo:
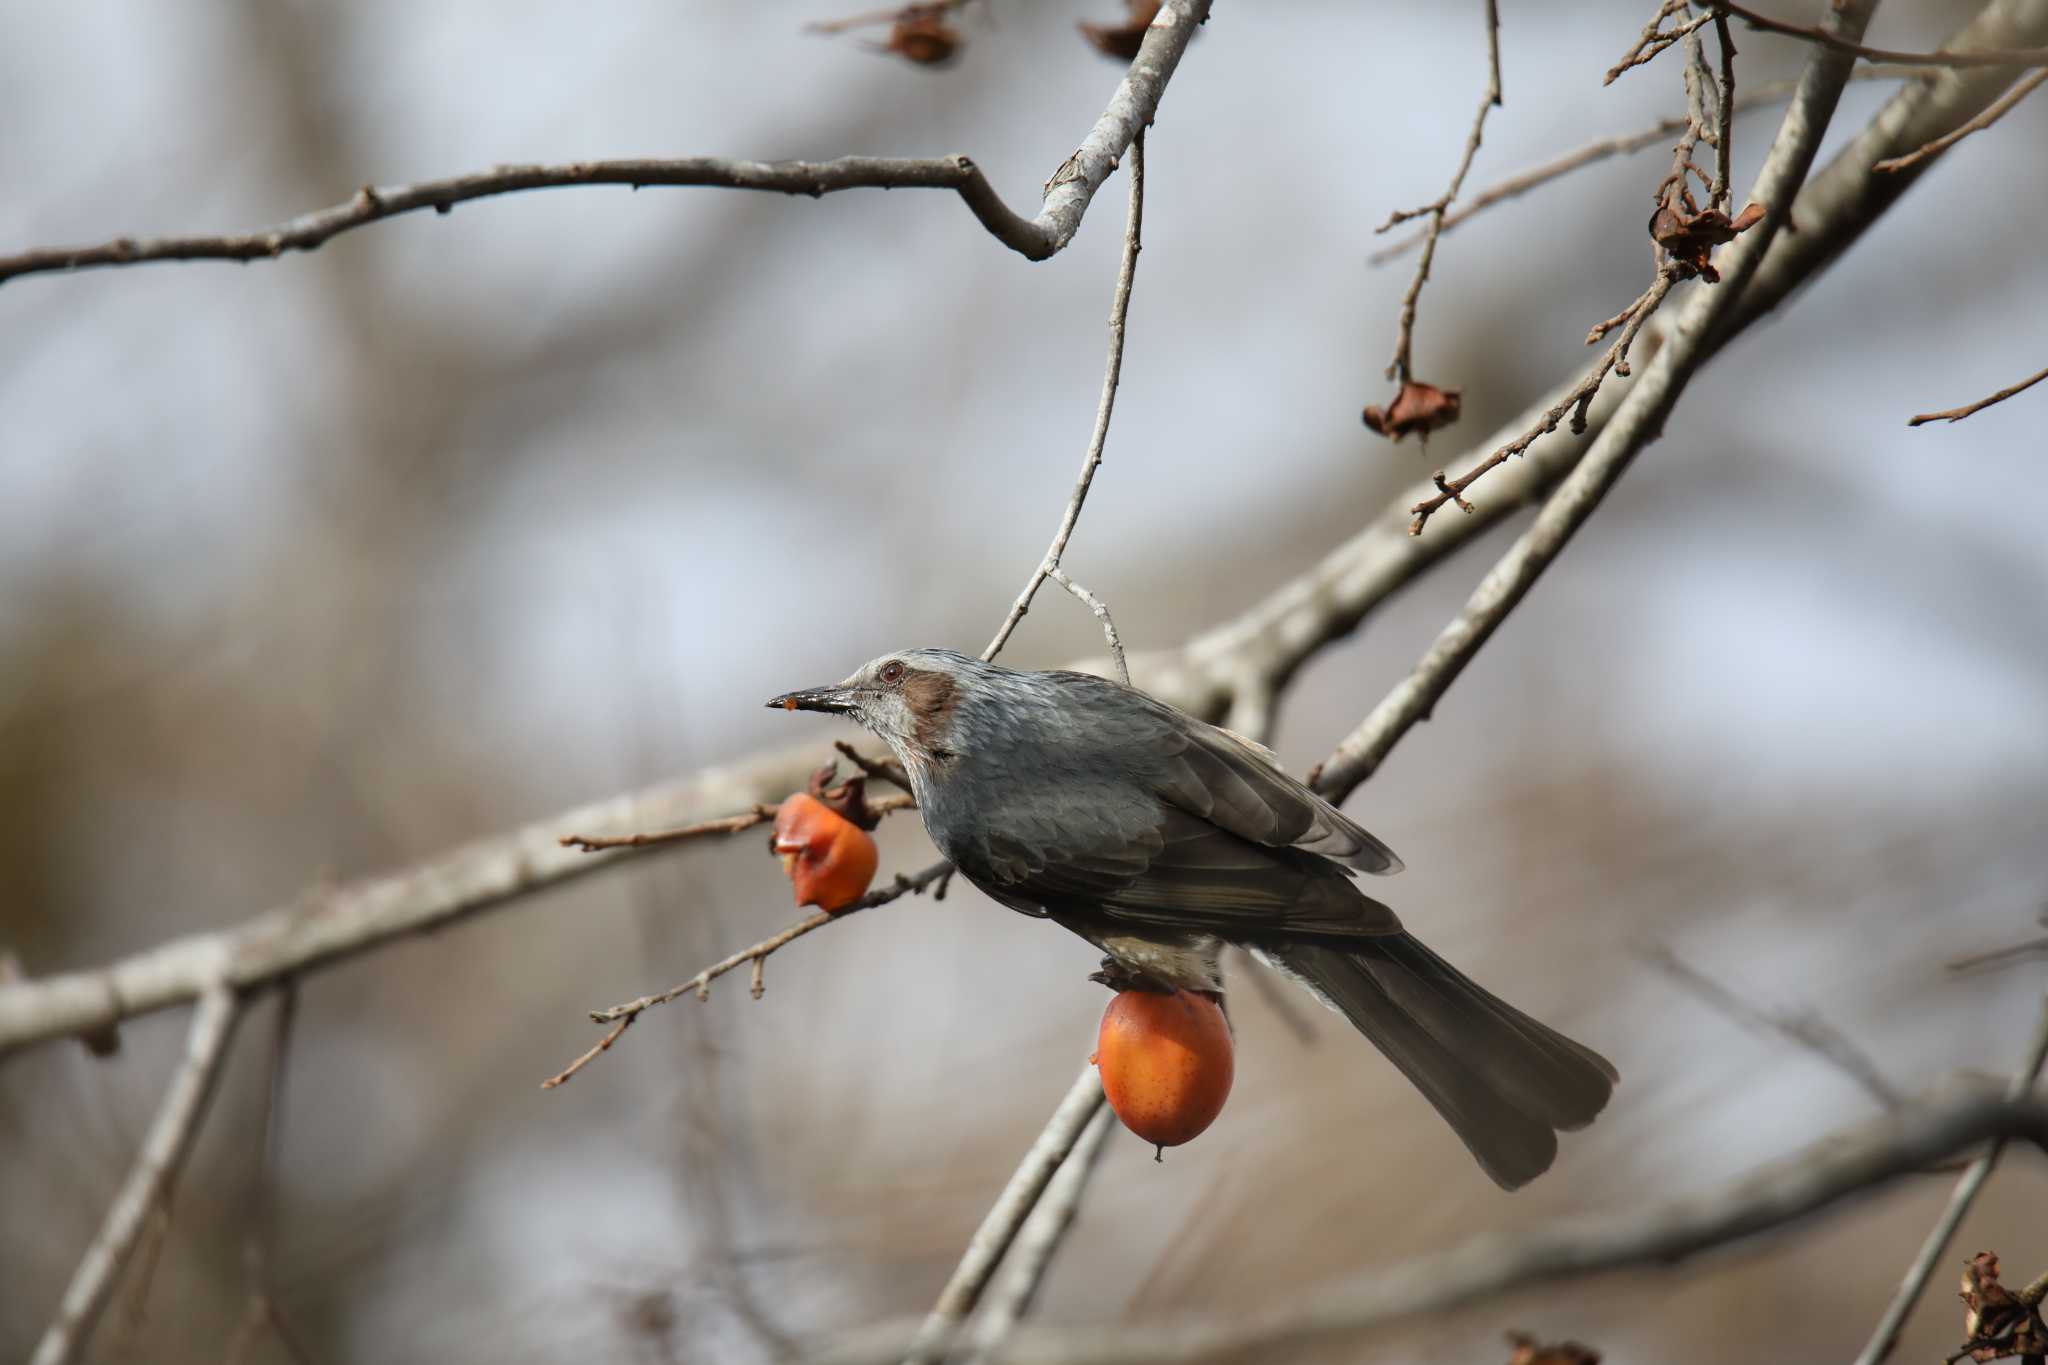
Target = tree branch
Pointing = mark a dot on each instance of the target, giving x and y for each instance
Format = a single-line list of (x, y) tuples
[(1622, 144), (1000, 1227), (1835, 42), (1401, 367), (1886, 1335), (1130, 110), (621, 1017), (1040, 1238), (149, 1180), (1119, 310), (1958, 414), (1639, 421), (1978, 124), (1822, 1176)]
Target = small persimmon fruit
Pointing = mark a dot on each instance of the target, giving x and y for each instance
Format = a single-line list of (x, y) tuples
[(829, 859), (1166, 1063)]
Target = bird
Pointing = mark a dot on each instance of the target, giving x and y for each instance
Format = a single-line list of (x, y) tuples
[(1162, 839)]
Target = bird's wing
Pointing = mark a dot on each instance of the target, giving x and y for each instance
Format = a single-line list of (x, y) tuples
[(1238, 787), (1175, 870)]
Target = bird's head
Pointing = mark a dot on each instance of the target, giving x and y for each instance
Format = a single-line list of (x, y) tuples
[(909, 699)]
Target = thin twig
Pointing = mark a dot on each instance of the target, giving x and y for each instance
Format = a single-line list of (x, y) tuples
[(1989, 56), (1639, 420), (1551, 1251), (1119, 310), (1576, 401), (2012, 97), (881, 769), (725, 824), (1724, 120), (1624, 144), (1101, 610), (1886, 1335), (1067, 194), (1809, 1031), (1655, 38), (622, 1016), (1039, 1240), (1400, 368), (149, 1181), (999, 1228), (730, 824), (1958, 414)]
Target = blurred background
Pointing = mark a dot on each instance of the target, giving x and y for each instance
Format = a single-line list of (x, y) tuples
[(311, 569)]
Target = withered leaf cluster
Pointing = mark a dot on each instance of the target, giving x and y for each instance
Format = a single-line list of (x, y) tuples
[(1418, 408), (922, 34), (849, 798), (1690, 238), (1121, 40), (1997, 1322), (1528, 1351)]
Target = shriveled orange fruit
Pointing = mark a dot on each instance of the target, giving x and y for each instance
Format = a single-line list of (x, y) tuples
[(1166, 1063), (829, 859)]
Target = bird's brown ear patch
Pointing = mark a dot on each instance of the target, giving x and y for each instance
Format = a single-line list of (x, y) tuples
[(930, 697)]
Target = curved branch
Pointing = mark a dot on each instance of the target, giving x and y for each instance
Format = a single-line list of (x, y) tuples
[(1131, 108)]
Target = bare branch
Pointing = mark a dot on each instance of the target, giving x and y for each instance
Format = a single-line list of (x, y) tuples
[(1131, 109), (1640, 419), (1401, 367), (1724, 118), (622, 1016), (1809, 1031), (1039, 1239), (1958, 414), (1101, 610), (1624, 144), (1655, 1237), (730, 824), (1833, 41), (1000, 1227), (1886, 1335), (1119, 310), (881, 769), (1655, 38), (149, 1180), (1978, 124)]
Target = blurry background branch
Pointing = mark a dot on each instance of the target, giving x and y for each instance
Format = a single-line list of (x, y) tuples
[(1658, 1236)]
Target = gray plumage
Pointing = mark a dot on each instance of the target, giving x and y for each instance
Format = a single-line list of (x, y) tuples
[(1161, 838)]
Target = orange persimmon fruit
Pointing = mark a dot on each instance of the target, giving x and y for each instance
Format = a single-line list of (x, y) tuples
[(829, 859), (1166, 1063)]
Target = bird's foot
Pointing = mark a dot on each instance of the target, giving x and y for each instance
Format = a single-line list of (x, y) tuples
[(1120, 976)]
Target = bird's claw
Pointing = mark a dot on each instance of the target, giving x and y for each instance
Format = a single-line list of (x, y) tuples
[(1120, 977)]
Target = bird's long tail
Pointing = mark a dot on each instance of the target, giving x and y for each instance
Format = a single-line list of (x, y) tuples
[(1506, 1083)]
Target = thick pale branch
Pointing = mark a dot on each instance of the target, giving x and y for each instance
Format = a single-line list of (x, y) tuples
[(999, 1228), (149, 1181), (1131, 109), (1039, 1239)]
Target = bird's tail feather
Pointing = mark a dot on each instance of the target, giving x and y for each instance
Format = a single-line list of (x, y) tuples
[(1503, 1081)]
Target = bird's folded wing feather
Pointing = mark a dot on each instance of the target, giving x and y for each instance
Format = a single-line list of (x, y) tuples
[(1181, 872), (1226, 781)]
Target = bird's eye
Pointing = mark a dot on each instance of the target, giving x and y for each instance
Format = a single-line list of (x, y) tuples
[(892, 672)]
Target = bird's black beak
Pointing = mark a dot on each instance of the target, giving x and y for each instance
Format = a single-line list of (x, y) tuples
[(835, 701)]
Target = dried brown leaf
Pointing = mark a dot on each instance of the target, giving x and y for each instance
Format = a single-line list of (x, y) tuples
[(922, 35), (1419, 408), (1529, 1352), (1690, 238), (1998, 1323)]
